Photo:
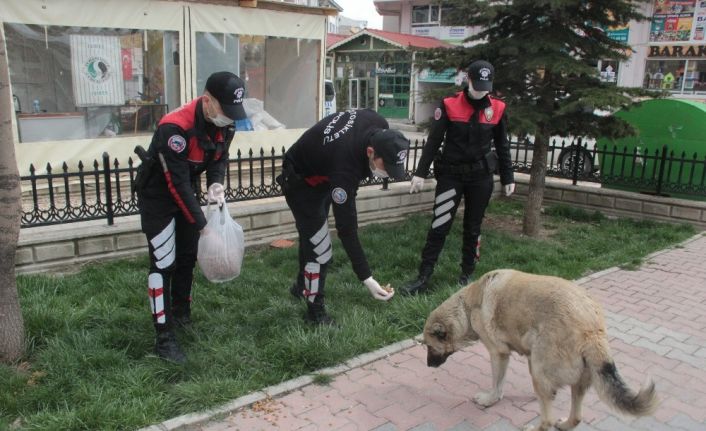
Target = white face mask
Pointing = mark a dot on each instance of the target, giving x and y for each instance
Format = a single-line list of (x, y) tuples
[(221, 120), (380, 173), (476, 95)]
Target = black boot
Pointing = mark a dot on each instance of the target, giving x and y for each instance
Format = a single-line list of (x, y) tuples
[(316, 313), (296, 291), (465, 279), (419, 285), (182, 315), (466, 275), (167, 348)]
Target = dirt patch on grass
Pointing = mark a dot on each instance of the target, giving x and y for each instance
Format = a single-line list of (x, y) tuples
[(512, 225)]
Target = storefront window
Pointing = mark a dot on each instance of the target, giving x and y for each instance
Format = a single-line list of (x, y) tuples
[(695, 76), (608, 71), (278, 72), (678, 76), (664, 74), (82, 83)]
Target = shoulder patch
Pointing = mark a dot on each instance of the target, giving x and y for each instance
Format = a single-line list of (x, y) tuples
[(177, 143), (339, 195), (437, 114)]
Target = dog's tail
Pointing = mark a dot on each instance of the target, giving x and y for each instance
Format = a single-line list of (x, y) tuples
[(611, 387)]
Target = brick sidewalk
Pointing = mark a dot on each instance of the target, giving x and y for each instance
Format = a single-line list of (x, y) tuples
[(656, 319)]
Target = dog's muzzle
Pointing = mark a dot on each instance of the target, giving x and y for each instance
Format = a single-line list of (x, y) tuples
[(434, 360)]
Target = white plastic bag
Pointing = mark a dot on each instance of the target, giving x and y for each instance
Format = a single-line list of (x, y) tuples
[(221, 245)]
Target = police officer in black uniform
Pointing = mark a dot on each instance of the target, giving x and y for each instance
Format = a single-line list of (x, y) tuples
[(324, 168), (188, 141), (467, 124)]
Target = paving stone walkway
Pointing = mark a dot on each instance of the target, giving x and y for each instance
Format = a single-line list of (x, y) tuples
[(656, 317)]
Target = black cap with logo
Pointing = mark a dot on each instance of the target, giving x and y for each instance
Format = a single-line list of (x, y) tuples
[(480, 75), (392, 146), (229, 90)]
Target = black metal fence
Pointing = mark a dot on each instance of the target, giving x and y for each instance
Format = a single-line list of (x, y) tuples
[(104, 190)]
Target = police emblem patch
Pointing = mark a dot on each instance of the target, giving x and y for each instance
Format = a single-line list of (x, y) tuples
[(437, 114), (488, 113), (339, 195), (177, 143)]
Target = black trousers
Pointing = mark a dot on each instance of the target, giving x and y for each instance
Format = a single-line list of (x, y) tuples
[(173, 244), (475, 189), (310, 207)]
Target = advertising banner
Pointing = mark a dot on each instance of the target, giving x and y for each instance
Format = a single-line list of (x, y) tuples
[(96, 70)]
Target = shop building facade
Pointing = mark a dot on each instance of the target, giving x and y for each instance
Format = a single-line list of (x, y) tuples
[(88, 77), (668, 51), (376, 69)]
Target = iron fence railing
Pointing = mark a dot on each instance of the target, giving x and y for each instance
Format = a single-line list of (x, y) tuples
[(104, 190)]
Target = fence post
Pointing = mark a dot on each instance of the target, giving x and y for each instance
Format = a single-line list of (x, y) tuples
[(574, 156), (662, 162), (385, 182), (108, 189)]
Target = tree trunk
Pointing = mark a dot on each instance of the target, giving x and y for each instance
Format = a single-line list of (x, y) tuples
[(532, 223), (11, 323)]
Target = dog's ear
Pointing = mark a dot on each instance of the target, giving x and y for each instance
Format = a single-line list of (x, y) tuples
[(439, 331)]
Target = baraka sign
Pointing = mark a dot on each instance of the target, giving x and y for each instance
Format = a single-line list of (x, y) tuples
[(678, 51)]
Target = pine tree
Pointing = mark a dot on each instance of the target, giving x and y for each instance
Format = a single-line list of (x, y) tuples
[(545, 54)]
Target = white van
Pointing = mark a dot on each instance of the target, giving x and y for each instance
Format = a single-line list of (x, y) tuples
[(329, 97)]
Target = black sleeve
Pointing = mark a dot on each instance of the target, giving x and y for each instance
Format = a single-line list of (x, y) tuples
[(172, 149), (502, 148), (343, 195), (437, 132)]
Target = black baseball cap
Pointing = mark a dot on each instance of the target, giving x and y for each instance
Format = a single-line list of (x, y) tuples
[(229, 90), (480, 75), (392, 146)]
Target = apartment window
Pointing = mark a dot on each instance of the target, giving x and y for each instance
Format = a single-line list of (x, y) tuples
[(84, 83), (425, 15)]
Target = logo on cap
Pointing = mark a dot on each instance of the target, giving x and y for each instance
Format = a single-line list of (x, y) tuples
[(484, 74), (238, 93), (437, 114), (401, 156)]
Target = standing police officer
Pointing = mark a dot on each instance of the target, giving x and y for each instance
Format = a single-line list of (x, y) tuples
[(322, 168), (467, 123), (188, 141)]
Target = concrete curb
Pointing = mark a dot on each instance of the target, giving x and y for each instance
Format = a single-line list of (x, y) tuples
[(192, 419)]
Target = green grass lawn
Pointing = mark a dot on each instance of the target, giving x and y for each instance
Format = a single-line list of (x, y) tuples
[(89, 363)]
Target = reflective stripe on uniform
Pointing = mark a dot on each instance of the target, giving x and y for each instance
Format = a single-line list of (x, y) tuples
[(312, 270), (155, 288), (163, 245), (322, 243), (444, 204)]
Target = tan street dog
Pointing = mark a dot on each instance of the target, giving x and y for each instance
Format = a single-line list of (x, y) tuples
[(548, 319)]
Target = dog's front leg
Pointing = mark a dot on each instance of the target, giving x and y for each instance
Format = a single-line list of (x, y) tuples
[(498, 363)]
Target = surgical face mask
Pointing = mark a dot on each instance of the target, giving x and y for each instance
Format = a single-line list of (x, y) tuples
[(380, 173), (221, 120), (476, 95)]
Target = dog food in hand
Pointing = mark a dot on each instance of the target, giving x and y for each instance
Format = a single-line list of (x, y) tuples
[(388, 288)]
